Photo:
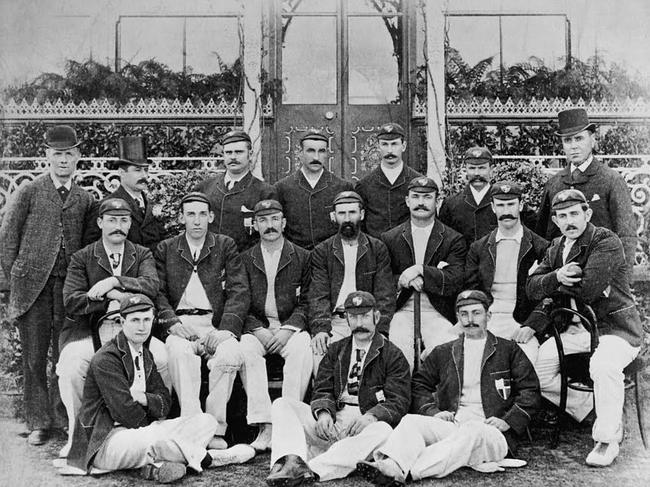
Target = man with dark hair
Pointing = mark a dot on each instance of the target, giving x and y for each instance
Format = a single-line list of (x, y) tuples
[(346, 262), (233, 194), (587, 265), (306, 195), (384, 189), (605, 189), (43, 226), (472, 399)]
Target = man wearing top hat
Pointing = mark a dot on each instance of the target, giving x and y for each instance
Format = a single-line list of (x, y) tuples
[(43, 226), (383, 190), (427, 257), (233, 194), (279, 274), (605, 190), (498, 265), (348, 261), (587, 265), (203, 301), (99, 276), (306, 195), (133, 169), (469, 211)]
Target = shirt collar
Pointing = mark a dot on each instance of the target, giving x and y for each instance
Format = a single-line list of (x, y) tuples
[(583, 167), (392, 171), (57, 183), (227, 178), (427, 229), (134, 352), (517, 236), (479, 195)]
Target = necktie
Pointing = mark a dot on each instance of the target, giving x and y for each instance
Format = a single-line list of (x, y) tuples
[(355, 374), (140, 203), (116, 258), (230, 184), (63, 193)]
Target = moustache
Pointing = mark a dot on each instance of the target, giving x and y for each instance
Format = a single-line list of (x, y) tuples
[(571, 227), (390, 156), (142, 180), (316, 161), (471, 325), (420, 207), (477, 177), (117, 232), (507, 217), (270, 230), (361, 329)]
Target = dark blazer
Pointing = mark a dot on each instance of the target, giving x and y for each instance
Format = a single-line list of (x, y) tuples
[(384, 203), (107, 399), (461, 213), (373, 274), (384, 385), (291, 286), (440, 285), (145, 229), (608, 196), (605, 282), (35, 226), (89, 266), (307, 209), (479, 274), (232, 207), (437, 386), (221, 272)]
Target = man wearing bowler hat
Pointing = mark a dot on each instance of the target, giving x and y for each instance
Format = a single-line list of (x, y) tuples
[(605, 189), (383, 190), (233, 194), (43, 226), (133, 168), (306, 195)]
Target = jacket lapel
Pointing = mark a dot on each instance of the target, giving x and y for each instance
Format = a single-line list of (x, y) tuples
[(363, 246), (73, 196), (99, 253), (490, 348), (257, 258), (50, 191), (435, 239), (492, 250), (407, 235), (526, 245), (337, 249), (285, 257), (136, 212), (582, 243), (457, 354), (127, 360), (373, 352), (469, 198), (128, 261), (242, 184), (183, 249)]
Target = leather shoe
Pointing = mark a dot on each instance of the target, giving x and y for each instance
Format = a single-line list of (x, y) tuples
[(603, 454), (165, 473), (38, 437), (217, 443), (381, 473), (294, 472)]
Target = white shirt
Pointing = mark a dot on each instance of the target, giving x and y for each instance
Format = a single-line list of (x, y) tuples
[(57, 183), (139, 383), (271, 262), (117, 271), (519, 234), (479, 195), (349, 284), (136, 196), (420, 240), (471, 404), (345, 396), (194, 295), (392, 173), (311, 179), (228, 178), (583, 167)]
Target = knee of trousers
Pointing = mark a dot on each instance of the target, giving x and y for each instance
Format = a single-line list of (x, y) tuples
[(159, 352), (299, 344), (600, 367), (176, 347), (228, 355), (206, 422), (250, 346), (280, 404), (380, 428), (74, 360)]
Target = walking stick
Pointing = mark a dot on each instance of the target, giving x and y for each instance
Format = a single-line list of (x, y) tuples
[(417, 332)]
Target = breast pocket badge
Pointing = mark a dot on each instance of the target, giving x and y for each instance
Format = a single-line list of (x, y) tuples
[(503, 388), (247, 215), (380, 396)]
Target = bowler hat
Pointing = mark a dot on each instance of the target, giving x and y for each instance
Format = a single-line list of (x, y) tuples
[(114, 206), (132, 152), (473, 296), (477, 155), (314, 135), (196, 196), (573, 121), (135, 302), (267, 207), (61, 137), (235, 136), (359, 302), (423, 184), (391, 131), (506, 190), (566, 198)]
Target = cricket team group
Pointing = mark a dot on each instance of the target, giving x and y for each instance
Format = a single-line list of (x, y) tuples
[(413, 335)]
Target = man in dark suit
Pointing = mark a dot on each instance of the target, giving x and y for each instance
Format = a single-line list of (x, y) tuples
[(383, 190), (427, 257), (278, 275), (469, 212), (43, 226), (307, 194), (605, 189), (233, 194), (133, 166), (99, 276), (587, 265)]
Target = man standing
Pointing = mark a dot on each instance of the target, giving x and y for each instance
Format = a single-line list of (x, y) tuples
[(99, 276), (604, 188), (428, 260), (469, 212), (472, 397), (362, 389), (203, 301), (346, 262), (133, 167), (278, 275), (233, 194), (42, 227), (121, 424), (307, 194), (587, 265), (498, 265), (384, 189)]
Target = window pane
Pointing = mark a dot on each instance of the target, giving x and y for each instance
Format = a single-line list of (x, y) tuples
[(375, 6), (211, 43), (153, 38), (309, 61), (375, 50), (311, 6)]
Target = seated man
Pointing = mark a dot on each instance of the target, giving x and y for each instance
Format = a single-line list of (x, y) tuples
[(203, 301), (471, 420), (121, 425), (278, 275), (587, 264), (498, 264), (348, 420), (99, 275)]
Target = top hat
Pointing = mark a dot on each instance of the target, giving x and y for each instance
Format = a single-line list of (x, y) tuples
[(61, 137), (132, 151), (573, 121)]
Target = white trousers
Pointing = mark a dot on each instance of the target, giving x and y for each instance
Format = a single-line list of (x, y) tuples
[(180, 440), (185, 372), (72, 368), (435, 329), (294, 433), (340, 330), (431, 447), (297, 370), (504, 325)]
